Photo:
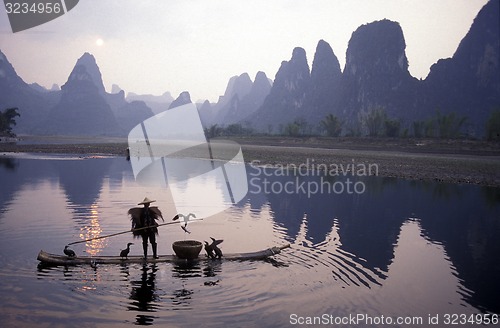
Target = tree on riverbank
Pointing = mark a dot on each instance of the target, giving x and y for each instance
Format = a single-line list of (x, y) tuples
[(331, 125), (298, 127), (444, 126), (374, 121), (392, 128), (449, 125), (379, 124), (7, 121)]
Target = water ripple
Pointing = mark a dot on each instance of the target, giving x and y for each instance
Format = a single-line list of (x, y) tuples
[(329, 260)]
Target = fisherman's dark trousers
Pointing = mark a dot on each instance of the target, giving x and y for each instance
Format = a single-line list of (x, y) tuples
[(152, 239)]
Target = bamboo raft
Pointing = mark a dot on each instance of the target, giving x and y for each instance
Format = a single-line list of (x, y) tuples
[(55, 259)]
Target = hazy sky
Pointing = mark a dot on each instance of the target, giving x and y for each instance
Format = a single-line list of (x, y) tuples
[(153, 46)]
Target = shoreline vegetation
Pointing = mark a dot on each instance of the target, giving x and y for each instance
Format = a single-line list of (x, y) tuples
[(449, 161)]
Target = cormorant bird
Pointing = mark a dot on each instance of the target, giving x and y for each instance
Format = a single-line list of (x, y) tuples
[(212, 250), (124, 252), (186, 220), (69, 252), (217, 250)]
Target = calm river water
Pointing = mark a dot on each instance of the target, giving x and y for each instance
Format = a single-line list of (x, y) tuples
[(397, 249)]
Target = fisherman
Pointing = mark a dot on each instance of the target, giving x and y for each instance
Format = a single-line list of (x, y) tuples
[(142, 217)]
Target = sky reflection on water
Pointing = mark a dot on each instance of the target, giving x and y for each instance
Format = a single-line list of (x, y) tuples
[(400, 248)]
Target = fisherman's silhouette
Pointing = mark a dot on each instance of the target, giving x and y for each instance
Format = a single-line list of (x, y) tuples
[(146, 217)]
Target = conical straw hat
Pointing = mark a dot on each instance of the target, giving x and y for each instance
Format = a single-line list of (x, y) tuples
[(146, 201)]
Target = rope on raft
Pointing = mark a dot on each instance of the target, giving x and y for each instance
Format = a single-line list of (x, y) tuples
[(128, 231)]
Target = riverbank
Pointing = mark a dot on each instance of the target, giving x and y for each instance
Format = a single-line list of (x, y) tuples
[(449, 161)]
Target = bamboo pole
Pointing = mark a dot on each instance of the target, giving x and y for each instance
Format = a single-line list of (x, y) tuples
[(121, 233)]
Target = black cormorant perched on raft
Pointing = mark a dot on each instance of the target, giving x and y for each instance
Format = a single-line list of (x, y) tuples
[(124, 252), (69, 252), (213, 251)]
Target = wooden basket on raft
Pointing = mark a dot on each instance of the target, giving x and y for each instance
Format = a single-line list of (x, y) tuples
[(187, 249)]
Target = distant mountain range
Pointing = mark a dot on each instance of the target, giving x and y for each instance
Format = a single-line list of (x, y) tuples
[(375, 76), (241, 99)]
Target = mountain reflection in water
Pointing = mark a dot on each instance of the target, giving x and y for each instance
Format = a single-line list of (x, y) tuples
[(400, 248)]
